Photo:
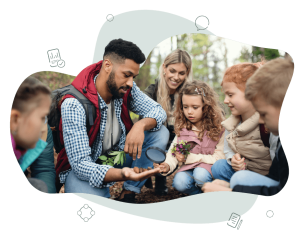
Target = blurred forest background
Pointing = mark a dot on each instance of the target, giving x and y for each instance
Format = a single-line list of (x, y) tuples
[(211, 56)]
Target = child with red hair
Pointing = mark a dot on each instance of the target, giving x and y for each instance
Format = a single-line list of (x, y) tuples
[(246, 144), (266, 90)]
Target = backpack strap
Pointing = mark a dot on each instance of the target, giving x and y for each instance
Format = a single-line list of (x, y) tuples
[(90, 110)]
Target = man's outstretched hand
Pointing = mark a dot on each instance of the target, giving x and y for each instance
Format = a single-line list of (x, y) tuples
[(130, 174)]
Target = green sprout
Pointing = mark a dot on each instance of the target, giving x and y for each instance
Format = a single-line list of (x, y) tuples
[(117, 157)]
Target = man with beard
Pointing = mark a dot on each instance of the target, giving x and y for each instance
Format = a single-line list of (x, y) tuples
[(109, 85)]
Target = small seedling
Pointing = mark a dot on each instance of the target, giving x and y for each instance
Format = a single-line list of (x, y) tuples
[(115, 157)]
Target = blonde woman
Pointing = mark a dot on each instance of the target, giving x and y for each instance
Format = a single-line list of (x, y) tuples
[(173, 74)]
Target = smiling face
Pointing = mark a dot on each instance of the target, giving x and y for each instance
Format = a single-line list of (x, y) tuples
[(269, 115), (121, 77), (236, 101), (175, 74), (192, 108), (28, 126)]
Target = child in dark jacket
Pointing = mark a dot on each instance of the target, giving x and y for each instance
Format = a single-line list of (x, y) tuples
[(266, 90), (43, 167), (28, 116)]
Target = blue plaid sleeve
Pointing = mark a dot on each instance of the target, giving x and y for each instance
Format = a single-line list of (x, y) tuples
[(147, 107), (77, 145)]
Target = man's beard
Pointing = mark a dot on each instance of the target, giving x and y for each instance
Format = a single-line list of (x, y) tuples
[(112, 86)]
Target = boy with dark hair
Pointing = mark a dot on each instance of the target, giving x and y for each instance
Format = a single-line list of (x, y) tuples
[(109, 85), (266, 90)]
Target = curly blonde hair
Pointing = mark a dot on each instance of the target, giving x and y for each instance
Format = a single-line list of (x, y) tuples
[(212, 112), (163, 92)]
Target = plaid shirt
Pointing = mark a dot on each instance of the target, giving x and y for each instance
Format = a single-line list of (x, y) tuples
[(81, 156)]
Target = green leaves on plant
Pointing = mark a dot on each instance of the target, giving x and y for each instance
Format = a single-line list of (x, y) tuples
[(115, 157), (103, 158), (122, 159)]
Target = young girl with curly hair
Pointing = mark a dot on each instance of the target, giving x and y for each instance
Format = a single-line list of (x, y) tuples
[(198, 118)]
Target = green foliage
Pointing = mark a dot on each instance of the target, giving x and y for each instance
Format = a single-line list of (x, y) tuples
[(53, 79), (181, 41), (157, 65), (144, 74), (103, 158), (134, 117), (259, 53), (116, 157), (271, 53), (245, 55)]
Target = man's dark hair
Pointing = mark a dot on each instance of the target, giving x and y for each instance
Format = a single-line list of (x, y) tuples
[(119, 50)]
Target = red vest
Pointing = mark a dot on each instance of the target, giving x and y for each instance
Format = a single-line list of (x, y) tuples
[(84, 82)]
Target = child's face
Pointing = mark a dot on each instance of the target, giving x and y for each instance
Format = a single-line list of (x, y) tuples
[(235, 99), (192, 108), (29, 125), (269, 115)]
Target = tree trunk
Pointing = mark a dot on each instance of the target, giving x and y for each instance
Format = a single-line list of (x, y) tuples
[(144, 75), (262, 55), (225, 56)]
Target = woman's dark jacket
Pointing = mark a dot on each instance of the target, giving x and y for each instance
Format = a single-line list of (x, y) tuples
[(151, 91)]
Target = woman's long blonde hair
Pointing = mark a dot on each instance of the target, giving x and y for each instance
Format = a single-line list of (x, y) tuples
[(163, 91)]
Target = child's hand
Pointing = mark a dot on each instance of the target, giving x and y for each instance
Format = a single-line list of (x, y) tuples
[(237, 162), (164, 167), (62, 189), (222, 183), (180, 157), (211, 187)]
